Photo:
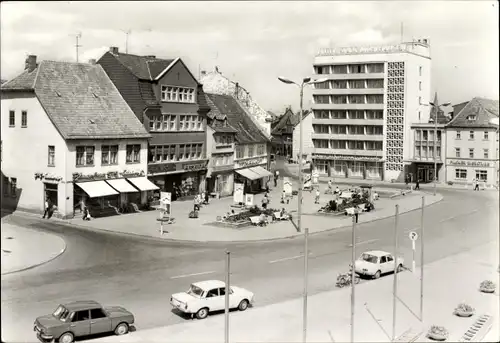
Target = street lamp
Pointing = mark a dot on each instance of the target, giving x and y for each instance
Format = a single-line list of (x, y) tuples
[(305, 81), (437, 107)]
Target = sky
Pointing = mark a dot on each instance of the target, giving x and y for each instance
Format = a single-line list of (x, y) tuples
[(255, 42)]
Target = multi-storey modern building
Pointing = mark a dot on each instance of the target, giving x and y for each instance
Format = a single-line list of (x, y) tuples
[(169, 101), (68, 137), (472, 143), (363, 112)]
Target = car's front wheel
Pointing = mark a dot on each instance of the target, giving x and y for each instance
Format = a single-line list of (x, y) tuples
[(121, 329), (66, 337), (377, 275), (243, 305), (202, 313)]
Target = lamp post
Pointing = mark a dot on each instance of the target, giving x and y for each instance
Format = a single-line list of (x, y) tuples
[(305, 81), (437, 107)]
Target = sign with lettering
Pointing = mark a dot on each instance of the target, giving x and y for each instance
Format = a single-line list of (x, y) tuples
[(161, 168), (469, 163), (194, 167), (238, 195), (249, 199), (250, 162), (287, 186), (346, 157)]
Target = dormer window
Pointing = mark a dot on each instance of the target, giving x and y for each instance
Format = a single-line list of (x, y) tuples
[(471, 117)]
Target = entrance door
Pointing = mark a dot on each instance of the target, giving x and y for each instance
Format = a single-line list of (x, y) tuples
[(422, 175), (430, 175), (51, 193)]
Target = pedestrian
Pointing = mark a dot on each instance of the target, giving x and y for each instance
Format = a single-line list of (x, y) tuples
[(265, 201), (46, 208), (417, 184), (196, 205), (276, 177), (476, 185), (356, 213), (330, 185), (51, 210), (407, 179), (316, 200), (283, 196), (267, 186)]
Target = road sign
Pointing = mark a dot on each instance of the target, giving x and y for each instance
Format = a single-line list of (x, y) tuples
[(413, 236)]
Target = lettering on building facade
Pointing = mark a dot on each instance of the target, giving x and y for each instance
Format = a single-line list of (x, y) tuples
[(347, 157), (466, 163), (194, 167), (250, 162), (107, 176), (47, 177), (161, 168)]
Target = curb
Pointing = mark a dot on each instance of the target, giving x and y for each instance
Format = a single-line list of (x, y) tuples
[(199, 242), (40, 263)]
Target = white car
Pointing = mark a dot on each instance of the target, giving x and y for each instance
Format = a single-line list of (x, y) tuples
[(375, 263), (208, 296)]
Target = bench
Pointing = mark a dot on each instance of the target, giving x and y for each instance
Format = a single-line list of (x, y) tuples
[(278, 216)]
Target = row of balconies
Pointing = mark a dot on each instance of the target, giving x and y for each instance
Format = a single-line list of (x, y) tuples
[(347, 121), (352, 152), (350, 137), (350, 69), (358, 99), (369, 86)]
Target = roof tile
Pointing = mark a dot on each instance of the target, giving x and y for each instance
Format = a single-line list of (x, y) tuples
[(143, 67), (23, 81), (483, 109)]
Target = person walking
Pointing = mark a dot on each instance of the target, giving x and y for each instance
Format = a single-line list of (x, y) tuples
[(316, 199), (330, 185), (276, 176), (417, 184), (265, 202), (356, 213), (268, 185), (46, 208), (476, 184)]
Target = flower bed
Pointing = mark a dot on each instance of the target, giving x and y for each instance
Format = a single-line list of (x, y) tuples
[(438, 333), (487, 286), (252, 212), (356, 199), (464, 310)]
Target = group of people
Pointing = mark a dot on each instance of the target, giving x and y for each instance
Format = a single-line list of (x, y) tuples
[(408, 180)]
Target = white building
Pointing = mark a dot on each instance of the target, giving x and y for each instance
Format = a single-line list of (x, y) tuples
[(69, 137), (362, 114), (307, 142)]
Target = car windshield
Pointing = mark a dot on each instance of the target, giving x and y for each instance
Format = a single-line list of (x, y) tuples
[(195, 291), (369, 258), (61, 313)]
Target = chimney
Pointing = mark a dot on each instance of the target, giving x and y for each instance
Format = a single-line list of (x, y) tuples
[(236, 90), (113, 50), (30, 63), (203, 73), (92, 61)]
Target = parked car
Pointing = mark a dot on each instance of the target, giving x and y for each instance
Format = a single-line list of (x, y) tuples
[(208, 296), (376, 263), (82, 318)]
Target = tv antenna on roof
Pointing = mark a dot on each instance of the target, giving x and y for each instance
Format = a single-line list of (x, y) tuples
[(127, 33), (78, 36)]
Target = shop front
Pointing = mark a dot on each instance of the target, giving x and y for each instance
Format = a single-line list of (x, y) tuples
[(465, 171), (182, 179), (252, 173), (220, 181), (356, 167)]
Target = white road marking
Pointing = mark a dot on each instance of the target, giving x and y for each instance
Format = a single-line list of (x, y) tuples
[(365, 242), (188, 275), (288, 258)]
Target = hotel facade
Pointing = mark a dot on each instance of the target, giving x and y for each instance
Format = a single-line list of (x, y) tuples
[(363, 112)]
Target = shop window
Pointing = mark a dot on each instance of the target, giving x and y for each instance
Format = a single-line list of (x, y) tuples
[(85, 155), (51, 192), (133, 153), (482, 175), (461, 174)]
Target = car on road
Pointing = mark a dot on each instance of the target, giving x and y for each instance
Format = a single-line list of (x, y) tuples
[(376, 263), (82, 318), (209, 296)]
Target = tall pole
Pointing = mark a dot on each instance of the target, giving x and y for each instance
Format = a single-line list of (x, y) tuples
[(435, 148), (78, 36), (422, 262), (353, 275), (395, 286), (226, 309), (299, 221)]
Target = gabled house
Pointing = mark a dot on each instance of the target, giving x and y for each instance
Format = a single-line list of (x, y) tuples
[(282, 134), (251, 158), (472, 143), (169, 101), (69, 138)]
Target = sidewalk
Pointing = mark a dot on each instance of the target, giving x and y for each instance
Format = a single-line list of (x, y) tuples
[(294, 169), (24, 248), (329, 312), (204, 229)]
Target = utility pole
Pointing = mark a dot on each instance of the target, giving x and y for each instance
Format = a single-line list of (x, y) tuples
[(353, 275), (395, 286), (226, 307), (422, 262), (306, 267), (126, 39), (78, 36)]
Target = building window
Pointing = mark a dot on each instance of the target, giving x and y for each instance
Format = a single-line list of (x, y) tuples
[(374, 99), (438, 152), (482, 175), (420, 71), (339, 84), (461, 174), (109, 154), (177, 94), (457, 152), (322, 85), (418, 135), (459, 135), (260, 149), (418, 115), (356, 145), (485, 135), (371, 114), (356, 69), (323, 70), (417, 151), (486, 153), (425, 135), (251, 150), (339, 99), (357, 84), (375, 83), (321, 99), (51, 156), (24, 119), (471, 153), (133, 153), (356, 114), (13, 186), (320, 143), (240, 151), (85, 155), (357, 99), (471, 134), (375, 68), (339, 69), (12, 118)]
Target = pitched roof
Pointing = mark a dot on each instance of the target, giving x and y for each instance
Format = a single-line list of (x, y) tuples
[(82, 102), (23, 81), (286, 119), (484, 111), (238, 118), (143, 67)]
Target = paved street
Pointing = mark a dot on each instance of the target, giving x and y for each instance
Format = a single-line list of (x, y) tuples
[(140, 274)]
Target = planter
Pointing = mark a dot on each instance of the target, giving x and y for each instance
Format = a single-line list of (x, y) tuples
[(437, 336), (487, 286), (487, 290), (462, 313)]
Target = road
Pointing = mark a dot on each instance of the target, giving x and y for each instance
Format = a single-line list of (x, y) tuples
[(141, 274)]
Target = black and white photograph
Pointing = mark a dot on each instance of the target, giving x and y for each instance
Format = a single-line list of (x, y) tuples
[(249, 171)]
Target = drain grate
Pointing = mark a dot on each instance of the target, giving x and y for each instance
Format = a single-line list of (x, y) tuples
[(478, 330)]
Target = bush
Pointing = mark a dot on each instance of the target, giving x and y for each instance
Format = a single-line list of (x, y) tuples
[(487, 284), (438, 332), (464, 307)]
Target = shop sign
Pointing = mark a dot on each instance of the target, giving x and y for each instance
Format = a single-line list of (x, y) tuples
[(250, 162), (89, 177), (466, 163), (161, 168), (107, 176), (346, 157), (130, 173), (47, 177), (194, 167)]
